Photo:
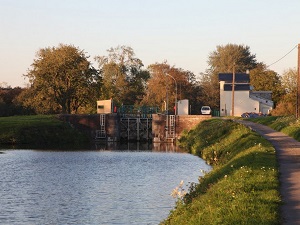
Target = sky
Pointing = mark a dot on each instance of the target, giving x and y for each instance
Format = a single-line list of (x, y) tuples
[(181, 32)]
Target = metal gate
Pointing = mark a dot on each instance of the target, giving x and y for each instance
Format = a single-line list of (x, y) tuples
[(135, 129)]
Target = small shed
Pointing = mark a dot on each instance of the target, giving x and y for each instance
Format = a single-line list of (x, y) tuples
[(105, 106), (183, 107)]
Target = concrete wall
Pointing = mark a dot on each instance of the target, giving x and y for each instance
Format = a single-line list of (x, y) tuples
[(158, 126), (183, 122), (188, 122), (90, 123)]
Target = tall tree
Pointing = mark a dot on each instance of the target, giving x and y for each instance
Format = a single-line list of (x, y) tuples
[(161, 88), (209, 92), (61, 77), (123, 77), (223, 60), (226, 57)]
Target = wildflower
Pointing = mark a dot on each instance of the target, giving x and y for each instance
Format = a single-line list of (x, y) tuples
[(174, 193), (181, 184), (178, 192)]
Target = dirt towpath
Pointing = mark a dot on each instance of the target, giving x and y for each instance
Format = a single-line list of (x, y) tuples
[(288, 157)]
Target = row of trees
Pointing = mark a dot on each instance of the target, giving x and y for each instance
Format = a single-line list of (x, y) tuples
[(63, 80)]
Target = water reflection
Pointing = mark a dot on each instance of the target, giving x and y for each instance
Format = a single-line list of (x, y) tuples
[(137, 146), (107, 146)]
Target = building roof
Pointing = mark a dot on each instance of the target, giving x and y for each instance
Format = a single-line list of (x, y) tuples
[(239, 77), (237, 87)]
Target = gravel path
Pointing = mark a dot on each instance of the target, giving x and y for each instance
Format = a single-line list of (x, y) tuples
[(288, 156)]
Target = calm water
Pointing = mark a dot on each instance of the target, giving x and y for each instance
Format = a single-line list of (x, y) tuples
[(91, 187)]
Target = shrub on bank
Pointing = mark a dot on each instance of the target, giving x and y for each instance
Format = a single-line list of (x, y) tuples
[(243, 186)]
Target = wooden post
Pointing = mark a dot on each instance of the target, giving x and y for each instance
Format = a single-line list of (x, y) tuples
[(298, 85), (232, 97)]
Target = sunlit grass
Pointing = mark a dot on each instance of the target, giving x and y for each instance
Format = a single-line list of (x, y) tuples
[(285, 124), (243, 186)]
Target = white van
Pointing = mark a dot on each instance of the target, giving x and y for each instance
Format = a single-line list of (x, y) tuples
[(205, 110)]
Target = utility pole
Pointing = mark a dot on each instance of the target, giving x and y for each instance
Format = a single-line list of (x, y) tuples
[(232, 97), (176, 110), (298, 85)]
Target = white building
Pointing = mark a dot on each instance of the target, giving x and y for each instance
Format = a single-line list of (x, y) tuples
[(183, 107), (245, 100)]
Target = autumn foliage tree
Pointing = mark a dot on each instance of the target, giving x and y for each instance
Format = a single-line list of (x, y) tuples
[(61, 79), (287, 103), (124, 79), (161, 88)]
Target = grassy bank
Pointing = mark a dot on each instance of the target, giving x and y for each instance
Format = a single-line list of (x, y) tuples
[(243, 186), (38, 131), (288, 125)]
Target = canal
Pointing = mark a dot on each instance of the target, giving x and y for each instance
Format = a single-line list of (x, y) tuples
[(92, 186)]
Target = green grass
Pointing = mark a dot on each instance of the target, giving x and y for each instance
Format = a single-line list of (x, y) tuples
[(288, 124), (243, 186), (38, 131)]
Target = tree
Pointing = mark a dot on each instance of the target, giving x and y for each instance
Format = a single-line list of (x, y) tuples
[(223, 60), (209, 91), (137, 87), (156, 86), (287, 104), (289, 81), (123, 78), (61, 78), (37, 102), (263, 79), (226, 57), (9, 105), (162, 87)]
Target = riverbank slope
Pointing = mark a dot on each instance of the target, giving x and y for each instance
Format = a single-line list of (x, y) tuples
[(44, 131), (242, 188)]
